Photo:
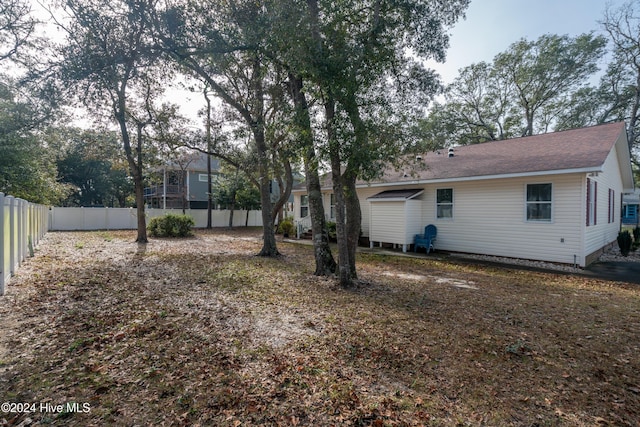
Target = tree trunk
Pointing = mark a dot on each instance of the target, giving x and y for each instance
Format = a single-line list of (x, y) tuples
[(135, 168), (352, 203), (232, 209), (209, 195), (325, 264), (209, 186), (285, 192), (354, 220), (269, 248), (139, 185), (344, 273)]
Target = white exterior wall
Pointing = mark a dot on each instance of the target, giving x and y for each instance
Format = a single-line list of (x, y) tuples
[(489, 217), (413, 220), (395, 222), (603, 232), (388, 222)]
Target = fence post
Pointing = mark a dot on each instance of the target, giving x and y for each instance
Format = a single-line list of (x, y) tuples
[(3, 271), (12, 234), (20, 231)]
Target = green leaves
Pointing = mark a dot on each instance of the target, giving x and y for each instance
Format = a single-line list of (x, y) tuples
[(523, 91)]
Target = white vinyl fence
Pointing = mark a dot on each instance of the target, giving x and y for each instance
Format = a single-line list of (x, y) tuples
[(67, 219), (22, 225)]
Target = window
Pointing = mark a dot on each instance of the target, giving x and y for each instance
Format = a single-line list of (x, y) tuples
[(592, 202), (202, 177), (612, 201), (539, 202), (304, 206), (332, 209), (444, 203)]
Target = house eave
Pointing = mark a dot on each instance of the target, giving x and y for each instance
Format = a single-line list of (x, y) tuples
[(408, 195), (481, 177), (590, 169)]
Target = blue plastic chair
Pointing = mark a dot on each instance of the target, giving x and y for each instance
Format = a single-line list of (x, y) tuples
[(425, 240)]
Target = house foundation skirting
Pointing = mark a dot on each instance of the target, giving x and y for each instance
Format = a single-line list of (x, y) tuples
[(593, 257)]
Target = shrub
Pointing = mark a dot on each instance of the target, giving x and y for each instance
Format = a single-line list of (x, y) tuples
[(624, 242), (636, 239), (286, 227), (331, 230), (171, 225)]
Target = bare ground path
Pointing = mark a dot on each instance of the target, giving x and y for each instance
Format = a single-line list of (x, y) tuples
[(201, 332)]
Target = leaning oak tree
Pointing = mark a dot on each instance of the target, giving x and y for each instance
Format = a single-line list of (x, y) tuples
[(352, 49), (544, 72), (16, 27), (623, 27), (220, 44), (109, 61)]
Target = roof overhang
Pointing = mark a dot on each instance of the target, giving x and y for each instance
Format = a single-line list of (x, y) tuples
[(396, 195), (624, 160), (480, 178), (468, 178)]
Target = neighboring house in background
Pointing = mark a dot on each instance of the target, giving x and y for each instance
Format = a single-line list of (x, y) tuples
[(631, 209), (552, 197), (183, 183)]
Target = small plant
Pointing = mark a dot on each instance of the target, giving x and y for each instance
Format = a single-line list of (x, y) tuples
[(636, 238), (331, 230), (286, 227), (106, 236), (519, 348), (624, 242), (171, 225)]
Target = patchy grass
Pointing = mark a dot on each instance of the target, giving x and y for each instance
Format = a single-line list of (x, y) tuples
[(200, 331)]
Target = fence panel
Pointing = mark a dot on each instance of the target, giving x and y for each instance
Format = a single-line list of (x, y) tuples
[(22, 225), (68, 219)]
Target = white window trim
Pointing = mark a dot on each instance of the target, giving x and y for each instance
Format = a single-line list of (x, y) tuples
[(526, 204), (592, 202), (202, 177), (453, 204), (306, 205)]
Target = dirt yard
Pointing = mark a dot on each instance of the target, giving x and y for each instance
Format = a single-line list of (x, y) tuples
[(97, 330)]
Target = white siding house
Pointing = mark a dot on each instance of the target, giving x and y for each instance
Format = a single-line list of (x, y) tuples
[(553, 197), (395, 216)]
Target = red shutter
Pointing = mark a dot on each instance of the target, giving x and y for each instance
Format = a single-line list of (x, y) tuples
[(588, 199), (595, 202)]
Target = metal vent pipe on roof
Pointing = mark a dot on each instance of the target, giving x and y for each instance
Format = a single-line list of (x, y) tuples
[(451, 151)]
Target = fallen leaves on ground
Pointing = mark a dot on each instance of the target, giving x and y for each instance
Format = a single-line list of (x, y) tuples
[(200, 331)]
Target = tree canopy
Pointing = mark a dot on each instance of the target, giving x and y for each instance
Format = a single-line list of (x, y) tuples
[(522, 92)]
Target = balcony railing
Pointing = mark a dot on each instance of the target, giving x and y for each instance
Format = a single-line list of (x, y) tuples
[(158, 191)]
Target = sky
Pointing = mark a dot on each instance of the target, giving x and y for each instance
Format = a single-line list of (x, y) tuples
[(491, 26)]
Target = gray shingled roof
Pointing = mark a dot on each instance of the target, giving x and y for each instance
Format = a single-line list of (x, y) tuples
[(396, 194), (584, 149)]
